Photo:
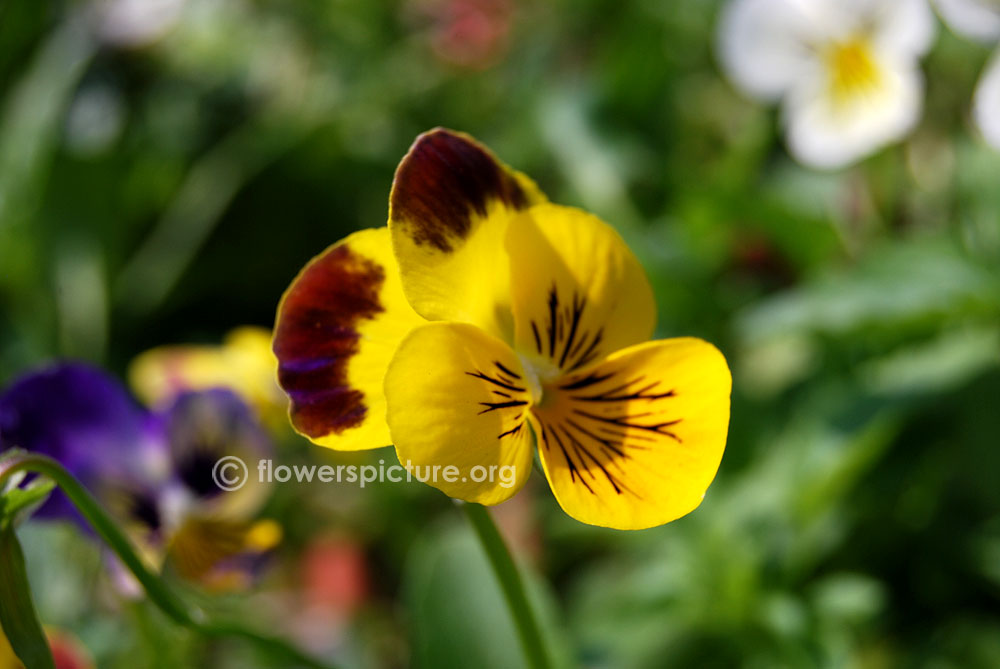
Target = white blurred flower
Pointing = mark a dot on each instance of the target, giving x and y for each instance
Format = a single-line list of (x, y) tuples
[(975, 19), (986, 106), (847, 72), (980, 20), (136, 23)]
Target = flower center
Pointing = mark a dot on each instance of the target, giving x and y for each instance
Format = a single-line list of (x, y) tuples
[(539, 372), (852, 69)]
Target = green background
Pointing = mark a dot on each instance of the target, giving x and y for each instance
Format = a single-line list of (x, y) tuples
[(167, 192)]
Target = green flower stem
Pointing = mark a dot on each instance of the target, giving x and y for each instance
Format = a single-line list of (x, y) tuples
[(158, 591), (525, 620), (17, 612), (105, 527)]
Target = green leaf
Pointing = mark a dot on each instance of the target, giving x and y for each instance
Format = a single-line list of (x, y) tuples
[(19, 503), (930, 281), (17, 611), (458, 616)]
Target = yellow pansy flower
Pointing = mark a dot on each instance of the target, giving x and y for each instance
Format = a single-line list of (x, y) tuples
[(8, 660), (484, 320)]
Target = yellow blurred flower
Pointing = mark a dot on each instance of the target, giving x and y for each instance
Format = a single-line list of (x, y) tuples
[(7, 658), (223, 555), (243, 363)]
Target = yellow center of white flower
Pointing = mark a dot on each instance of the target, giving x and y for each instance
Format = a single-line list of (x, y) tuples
[(852, 70)]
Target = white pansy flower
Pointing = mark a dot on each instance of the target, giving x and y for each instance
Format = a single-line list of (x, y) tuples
[(980, 20), (847, 72), (136, 23), (986, 107)]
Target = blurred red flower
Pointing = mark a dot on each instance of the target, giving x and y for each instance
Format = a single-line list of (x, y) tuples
[(468, 33)]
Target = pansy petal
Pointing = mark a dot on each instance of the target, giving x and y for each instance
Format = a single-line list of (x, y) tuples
[(905, 28), (201, 544), (579, 292), (764, 45), (635, 440), (458, 398), (85, 419), (450, 205), (902, 27), (827, 129), (208, 427), (337, 328), (975, 19), (244, 363), (7, 657), (986, 107)]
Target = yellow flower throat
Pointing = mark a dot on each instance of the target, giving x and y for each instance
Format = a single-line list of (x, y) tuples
[(853, 70)]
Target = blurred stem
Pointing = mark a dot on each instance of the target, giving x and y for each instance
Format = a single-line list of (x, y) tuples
[(159, 593), (17, 612), (105, 527), (31, 119), (203, 197), (525, 620)]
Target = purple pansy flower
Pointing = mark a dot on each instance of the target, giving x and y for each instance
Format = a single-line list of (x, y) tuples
[(152, 470), (86, 420)]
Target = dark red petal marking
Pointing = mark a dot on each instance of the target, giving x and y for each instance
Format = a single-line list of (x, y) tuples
[(442, 181), (317, 333)]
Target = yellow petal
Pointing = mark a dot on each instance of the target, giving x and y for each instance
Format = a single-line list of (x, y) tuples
[(244, 363), (201, 544), (449, 209), (263, 535), (247, 351), (458, 398), (635, 440), (221, 555), (8, 660), (337, 328), (579, 292)]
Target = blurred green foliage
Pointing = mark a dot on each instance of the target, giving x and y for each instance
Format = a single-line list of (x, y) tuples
[(166, 190)]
